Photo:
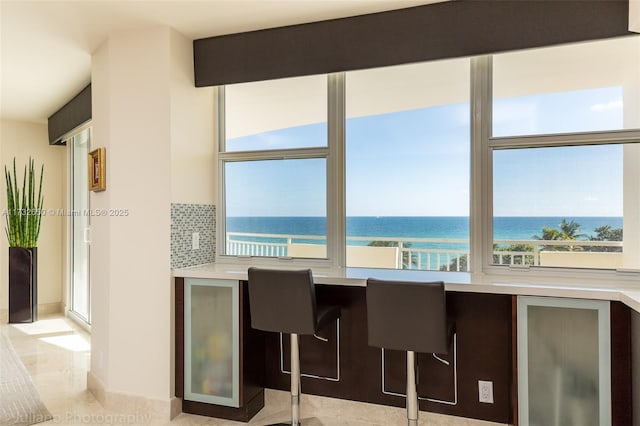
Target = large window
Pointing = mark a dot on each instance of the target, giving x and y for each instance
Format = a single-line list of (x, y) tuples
[(407, 166), (277, 114), (273, 158), (559, 206), (574, 88), (564, 194), (523, 159), (276, 207)]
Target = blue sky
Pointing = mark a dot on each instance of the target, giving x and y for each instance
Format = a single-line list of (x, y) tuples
[(416, 163), (563, 112)]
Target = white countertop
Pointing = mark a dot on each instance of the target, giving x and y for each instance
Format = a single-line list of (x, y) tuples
[(626, 291)]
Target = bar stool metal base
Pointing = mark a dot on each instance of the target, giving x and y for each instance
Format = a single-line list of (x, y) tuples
[(311, 421), (412, 394), (295, 388)]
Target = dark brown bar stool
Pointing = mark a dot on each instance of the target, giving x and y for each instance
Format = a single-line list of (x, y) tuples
[(411, 317), (285, 302)]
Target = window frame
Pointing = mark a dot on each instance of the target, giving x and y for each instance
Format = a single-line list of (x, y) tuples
[(482, 146), (334, 155), (488, 143)]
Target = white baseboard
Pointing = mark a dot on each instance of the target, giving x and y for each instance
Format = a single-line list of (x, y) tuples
[(49, 308), (145, 410), (43, 309), (176, 407)]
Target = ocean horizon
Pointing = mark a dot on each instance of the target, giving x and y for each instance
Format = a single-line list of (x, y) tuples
[(439, 227)]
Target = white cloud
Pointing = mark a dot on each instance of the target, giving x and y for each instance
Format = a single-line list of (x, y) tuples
[(617, 104)]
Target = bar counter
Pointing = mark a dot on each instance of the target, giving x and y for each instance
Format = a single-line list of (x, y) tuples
[(485, 309), (626, 290)]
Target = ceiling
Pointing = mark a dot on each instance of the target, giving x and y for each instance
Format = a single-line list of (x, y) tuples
[(46, 46)]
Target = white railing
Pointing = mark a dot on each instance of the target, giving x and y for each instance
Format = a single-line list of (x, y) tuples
[(251, 244), (532, 257), (410, 254)]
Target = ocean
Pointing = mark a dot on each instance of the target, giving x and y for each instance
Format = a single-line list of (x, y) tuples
[(369, 229), (440, 227)]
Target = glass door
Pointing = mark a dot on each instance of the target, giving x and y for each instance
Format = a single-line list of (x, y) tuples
[(564, 362), (79, 226), (212, 341)]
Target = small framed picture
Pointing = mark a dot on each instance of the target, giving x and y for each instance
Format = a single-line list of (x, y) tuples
[(97, 177)]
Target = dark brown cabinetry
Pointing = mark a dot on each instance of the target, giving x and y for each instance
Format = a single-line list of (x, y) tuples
[(483, 323), (248, 391), (346, 367)]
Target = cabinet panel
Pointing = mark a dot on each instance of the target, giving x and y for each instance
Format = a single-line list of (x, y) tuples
[(564, 358), (635, 366), (212, 342)]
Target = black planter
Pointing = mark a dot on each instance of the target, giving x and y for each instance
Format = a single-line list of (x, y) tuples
[(23, 284)]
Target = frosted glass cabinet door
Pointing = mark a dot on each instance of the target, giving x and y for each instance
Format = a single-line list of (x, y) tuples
[(211, 368), (564, 362)]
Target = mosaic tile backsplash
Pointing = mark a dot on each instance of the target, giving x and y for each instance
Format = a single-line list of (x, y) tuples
[(185, 220)]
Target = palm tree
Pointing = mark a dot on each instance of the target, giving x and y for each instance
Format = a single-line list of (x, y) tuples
[(606, 233), (568, 232)]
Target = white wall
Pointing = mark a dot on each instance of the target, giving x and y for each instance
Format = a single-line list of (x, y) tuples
[(100, 275), (193, 145), (157, 129), (130, 258), (21, 140)]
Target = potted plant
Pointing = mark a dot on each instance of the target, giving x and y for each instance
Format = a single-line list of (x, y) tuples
[(23, 216)]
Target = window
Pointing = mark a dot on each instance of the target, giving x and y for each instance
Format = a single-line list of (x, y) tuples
[(563, 190), (273, 157), (407, 166), (277, 114), (528, 158), (79, 145), (276, 207), (574, 88), (558, 206)]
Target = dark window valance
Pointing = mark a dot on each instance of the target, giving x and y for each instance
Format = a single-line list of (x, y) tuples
[(74, 113), (435, 31)]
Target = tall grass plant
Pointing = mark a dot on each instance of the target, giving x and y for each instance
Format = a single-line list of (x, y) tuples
[(24, 206)]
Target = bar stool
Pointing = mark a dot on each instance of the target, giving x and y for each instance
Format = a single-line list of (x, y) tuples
[(411, 317), (285, 301)]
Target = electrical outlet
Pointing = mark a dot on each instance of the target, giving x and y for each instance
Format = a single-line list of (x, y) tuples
[(485, 391), (195, 241)]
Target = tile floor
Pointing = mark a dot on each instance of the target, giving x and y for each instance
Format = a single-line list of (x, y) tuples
[(56, 353)]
